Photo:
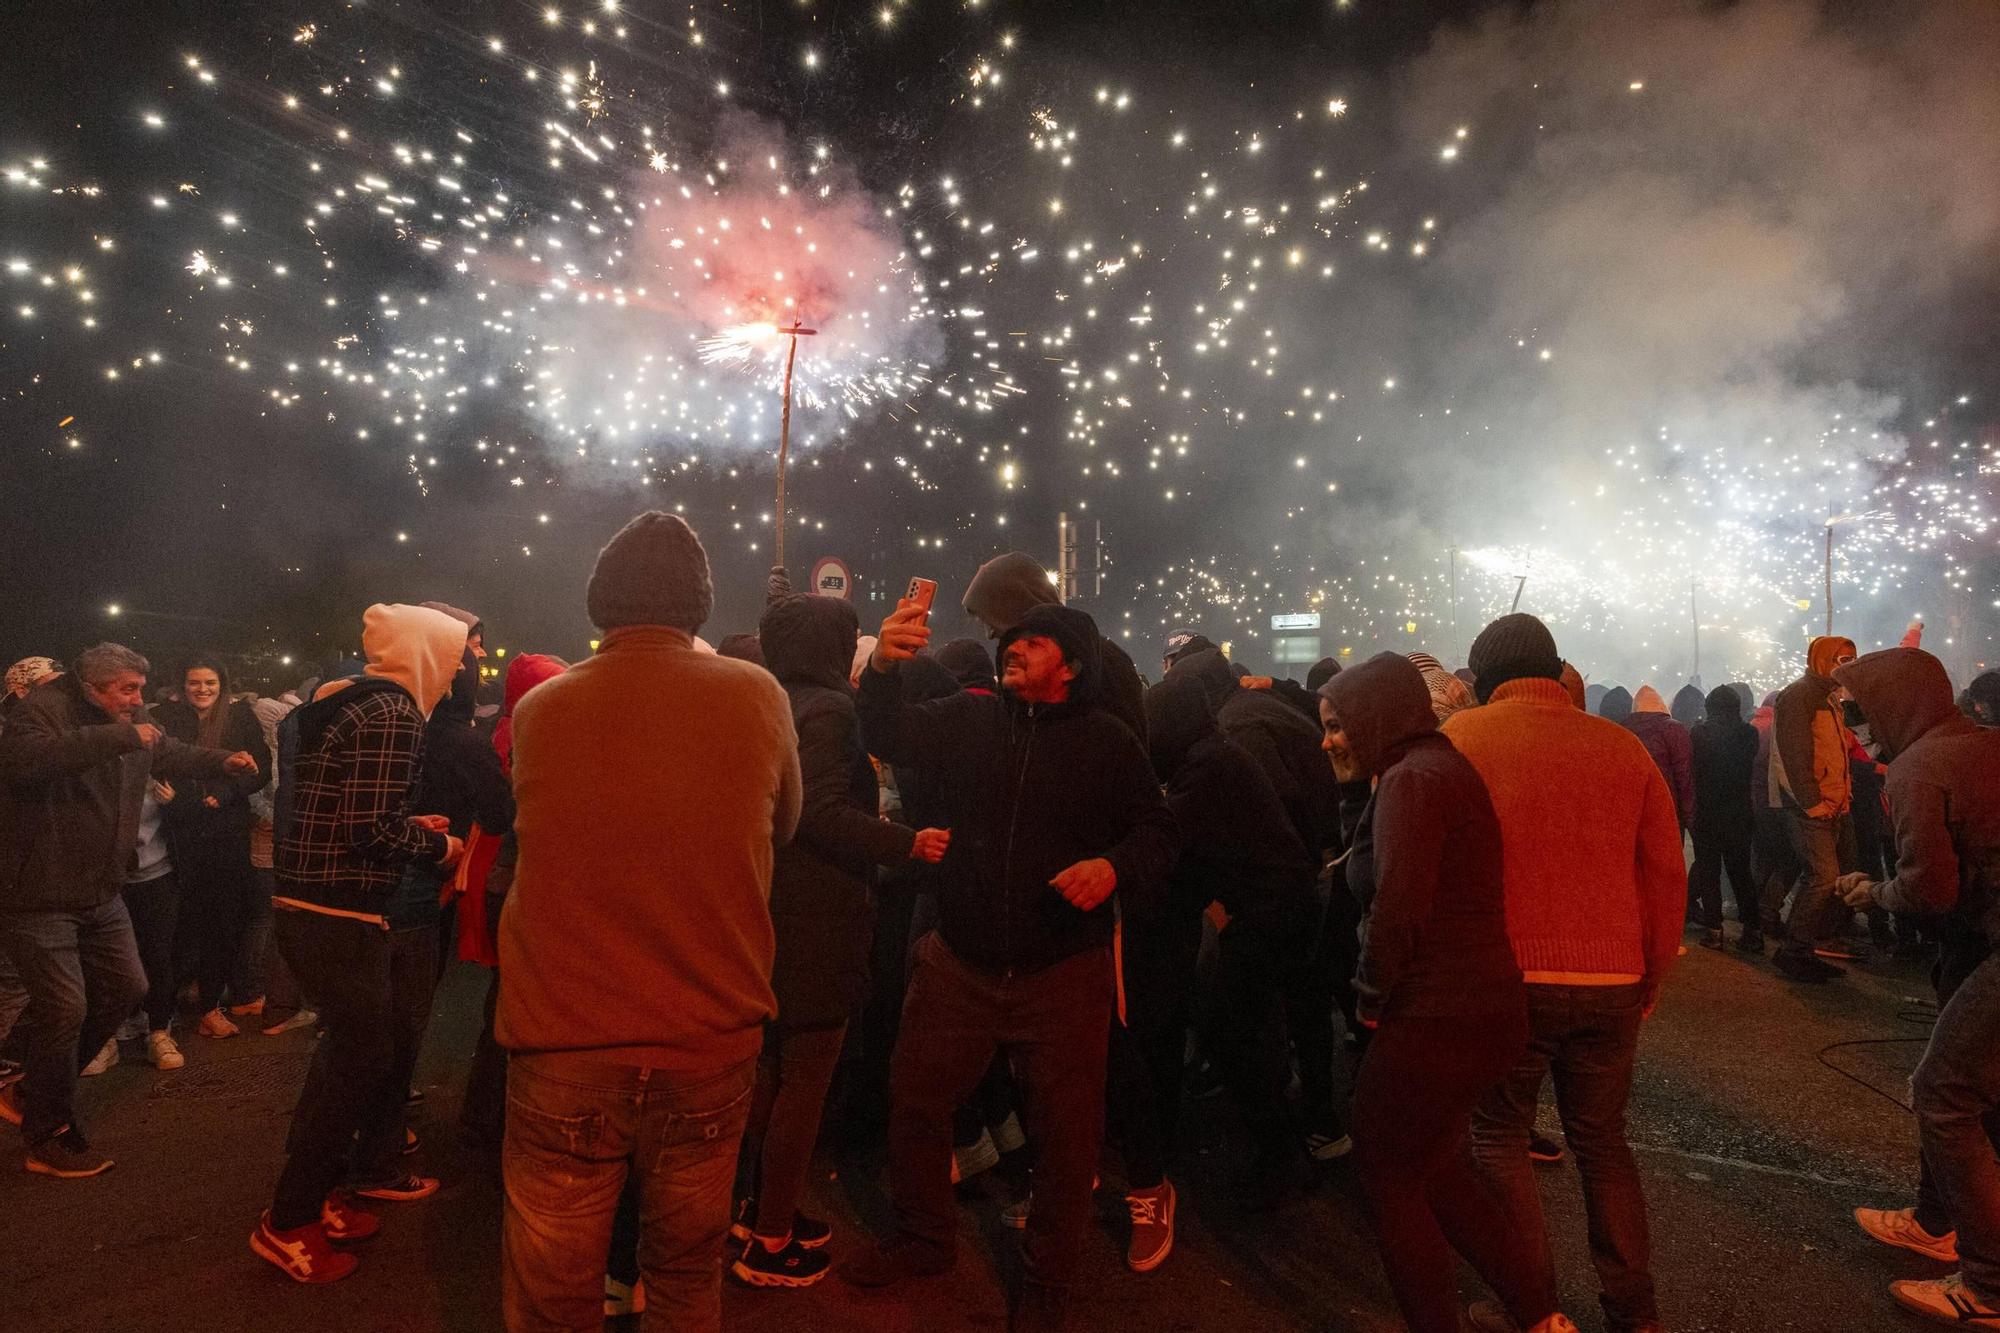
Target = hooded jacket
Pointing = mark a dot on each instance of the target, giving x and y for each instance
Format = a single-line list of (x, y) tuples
[(1981, 699), (1238, 846), (1616, 704), (461, 779), (1688, 705), (345, 827), (1426, 860), (523, 674), (72, 780), (1724, 749), (1009, 586), (1448, 693), (1943, 790), (1285, 746), (822, 900), (1809, 740), (1667, 741), (1030, 790)]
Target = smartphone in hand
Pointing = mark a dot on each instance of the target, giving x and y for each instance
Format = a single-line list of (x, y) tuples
[(923, 592)]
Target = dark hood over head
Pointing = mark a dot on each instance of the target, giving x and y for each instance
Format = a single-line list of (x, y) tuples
[(1904, 692), (1077, 634), (1178, 716), (1981, 700), (1616, 704), (1687, 705), (1005, 589), (970, 663), (810, 640), (1211, 669), (1724, 704), (1383, 705), (463, 700)]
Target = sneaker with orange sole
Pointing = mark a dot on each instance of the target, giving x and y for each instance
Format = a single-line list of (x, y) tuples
[(346, 1221), (303, 1254)]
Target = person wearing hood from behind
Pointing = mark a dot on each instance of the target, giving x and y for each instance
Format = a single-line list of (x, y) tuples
[(1053, 807), (1724, 750), (1440, 985), (1811, 784), (1944, 801), (823, 910), (1009, 586), (345, 830), (1689, 703), (1667, 741), (1981, 699), (1615, 704)]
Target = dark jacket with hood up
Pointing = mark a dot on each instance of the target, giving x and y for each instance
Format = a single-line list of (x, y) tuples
[(1009, 586), (1238, 846), (1426, 861), (461, 778), (1031, 789), (1725, 760), (1277, 736), (72, 779), (822, 902), (1688, 705), (1943, 789)]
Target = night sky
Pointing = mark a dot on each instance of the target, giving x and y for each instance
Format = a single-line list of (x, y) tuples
[(1294, 299)]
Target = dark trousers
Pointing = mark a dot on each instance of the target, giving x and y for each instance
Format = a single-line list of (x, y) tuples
[(1774, 867), (1717, 851), (1258, 964), (1956, 1093), (219, 894), (1821, 846), (83, 977), (1054, 1024), (412, 985), (577, 1132), (345, 965), (1413, 1103), (1585, 1037), (793, 1074), (1148, 1051), (1962, 953), (155, 906), (484, 1111), (13, 999), (273, 977)]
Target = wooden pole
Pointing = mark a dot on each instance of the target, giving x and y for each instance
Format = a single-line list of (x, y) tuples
[(1519, 588), (785, 433)]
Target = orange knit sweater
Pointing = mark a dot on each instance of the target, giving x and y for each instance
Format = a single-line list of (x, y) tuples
[(1596, 883)]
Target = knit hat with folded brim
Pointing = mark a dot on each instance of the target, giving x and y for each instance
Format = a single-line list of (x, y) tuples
[(653, 572), (1514, 647)]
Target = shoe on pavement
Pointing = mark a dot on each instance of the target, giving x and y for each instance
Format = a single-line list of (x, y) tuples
[(981, 1155), (300, 1018), (622, 1298), (1751, 941), (886, 1263), (67, 1155), (162, 1052), (10, 1103), (303, 1254), (1323, 1146), (410, 1142), (216, 1024), (1711, 939), (1542, 1148), (1839, 951), (1152, 1227), (346, 1221), (1007, 1135), (107, 1056), (405, 1190), (809, 1232), (1807, 968), (1899, 1227), (1947, 1299), (790, 1265), (1492, 1317), (1015, 1215), (254, 1009)]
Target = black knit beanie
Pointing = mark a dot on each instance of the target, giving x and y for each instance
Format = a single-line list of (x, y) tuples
[(1514, 647), (653, 572)]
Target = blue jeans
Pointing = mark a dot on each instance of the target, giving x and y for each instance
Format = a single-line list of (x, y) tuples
[(576, 1128), (1587, 1037), (1956, 1088), (82, 974)]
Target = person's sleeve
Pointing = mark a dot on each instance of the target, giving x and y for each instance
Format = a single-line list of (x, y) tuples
[(178, 762), (1144, 855), (1684, 773), (791, 790), (922, 736), (828, 821), (1792, 746), (1409, 830), (1926, 881), (1662, 873), (374, 815), (35, 749), (492, 794)]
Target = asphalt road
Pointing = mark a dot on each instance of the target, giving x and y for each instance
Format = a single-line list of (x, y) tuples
[(1753, 1150)]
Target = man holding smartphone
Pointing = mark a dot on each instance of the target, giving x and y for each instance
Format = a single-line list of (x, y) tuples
[(1053, 807)]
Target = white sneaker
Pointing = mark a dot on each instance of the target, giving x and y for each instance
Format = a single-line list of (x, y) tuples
[(1947, 1299), (1898, 1227), (981, 1155), (162, 1052), (103, 1060)]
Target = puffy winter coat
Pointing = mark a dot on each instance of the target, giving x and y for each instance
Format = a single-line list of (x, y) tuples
[(1725, 758)]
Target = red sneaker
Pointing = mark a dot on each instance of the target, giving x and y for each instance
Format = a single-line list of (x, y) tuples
[(302, 1254), (345, 1221)]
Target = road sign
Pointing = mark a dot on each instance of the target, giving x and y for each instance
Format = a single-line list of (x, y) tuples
[(832, 578), (1303, 620)]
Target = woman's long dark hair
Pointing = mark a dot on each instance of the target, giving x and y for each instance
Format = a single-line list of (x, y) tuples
[(208, 730)]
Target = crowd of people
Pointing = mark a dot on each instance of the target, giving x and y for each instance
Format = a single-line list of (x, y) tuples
[(993, 896)]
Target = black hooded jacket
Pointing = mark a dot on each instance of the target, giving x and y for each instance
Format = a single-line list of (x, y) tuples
[(1725, 757), (1285, 746), (1943, 789), (1030, 789), (822, 901), (1009, 586), (1426, 861), (1687, 705), (1238, 846)]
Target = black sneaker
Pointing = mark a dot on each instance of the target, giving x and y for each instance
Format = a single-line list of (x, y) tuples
[(1711, 939), (1542, 1148), (68, 1155), (791, 1266), (809, 1232), (405, 1190), (1751, 941), (1805, 967)]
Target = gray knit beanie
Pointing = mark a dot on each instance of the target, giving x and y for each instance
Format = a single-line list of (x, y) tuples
[(653, 572), (1511, 648)]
